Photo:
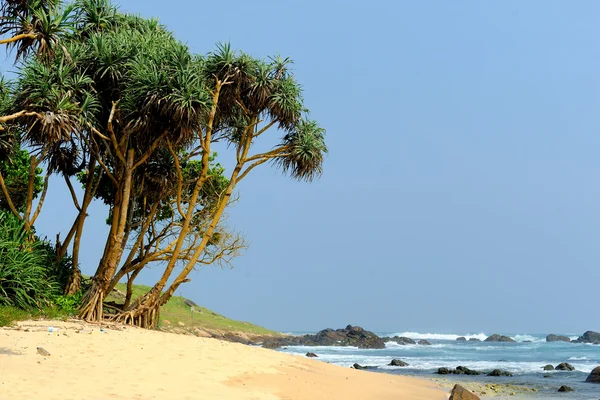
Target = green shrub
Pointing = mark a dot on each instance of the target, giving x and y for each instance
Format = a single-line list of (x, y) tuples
[(26, 276), (70, 303)]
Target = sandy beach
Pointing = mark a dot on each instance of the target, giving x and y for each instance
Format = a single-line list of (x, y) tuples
[(111, 362)]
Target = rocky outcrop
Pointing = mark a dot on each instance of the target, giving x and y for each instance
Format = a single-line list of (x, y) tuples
[(557, 338), (424, 342), (499, 338), (474, 340), (398, 363), (460, 393), (461, 339), (350, 336), (498, 372), (189, 303), (402, 340), (589, 337), (460, 370), (564, 367), (548, 367), (565, 388), (358, 366), (594, 376), (311, 355)]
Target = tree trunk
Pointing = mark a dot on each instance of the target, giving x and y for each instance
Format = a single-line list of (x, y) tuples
[(74, 284), (129, 293), (145, 312), (92, 309)]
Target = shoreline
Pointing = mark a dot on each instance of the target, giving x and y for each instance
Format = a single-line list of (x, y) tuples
[(102, 361)]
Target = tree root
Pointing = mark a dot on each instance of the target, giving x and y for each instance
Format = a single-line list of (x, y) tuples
[(91, 309), (141, 316)]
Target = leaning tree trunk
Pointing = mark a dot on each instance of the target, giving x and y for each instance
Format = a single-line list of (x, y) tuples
[(92, 303), (74, 283), (145, 312)]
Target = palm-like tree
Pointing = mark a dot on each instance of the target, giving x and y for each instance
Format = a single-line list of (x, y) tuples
[(128, 105), (35, 26), (250, 96)]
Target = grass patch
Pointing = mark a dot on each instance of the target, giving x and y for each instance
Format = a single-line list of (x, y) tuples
[(176, 310), (10, 314)]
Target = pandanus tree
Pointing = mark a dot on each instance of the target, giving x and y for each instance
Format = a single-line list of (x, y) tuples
[(122, 106), (54, 104), (35, 28), (250, 98)]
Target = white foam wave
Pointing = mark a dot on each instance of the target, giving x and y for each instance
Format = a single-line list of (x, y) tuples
[(439, 336), (526, 337), (433, 363), (394, 345), (578, 358)]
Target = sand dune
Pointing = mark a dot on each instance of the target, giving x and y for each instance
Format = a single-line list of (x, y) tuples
[(129, 363)]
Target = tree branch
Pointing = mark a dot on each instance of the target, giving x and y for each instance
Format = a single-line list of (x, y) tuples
[(42, 197), (16, 115), (19, 37), (8, 199)]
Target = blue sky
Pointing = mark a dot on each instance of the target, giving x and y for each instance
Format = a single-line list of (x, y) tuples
[(461, 190)]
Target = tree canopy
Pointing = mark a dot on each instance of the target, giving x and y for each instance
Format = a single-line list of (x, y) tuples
[(115, 102)]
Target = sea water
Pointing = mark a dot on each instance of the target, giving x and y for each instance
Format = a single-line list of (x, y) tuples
[(525, 359)]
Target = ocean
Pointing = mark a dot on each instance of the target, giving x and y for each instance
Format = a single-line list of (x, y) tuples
[(524, 359)]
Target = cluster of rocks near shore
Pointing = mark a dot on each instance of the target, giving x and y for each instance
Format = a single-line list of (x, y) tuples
[(588, 337), (363, 339)]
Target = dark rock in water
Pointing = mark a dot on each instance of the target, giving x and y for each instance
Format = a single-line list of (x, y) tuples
[(557, 338), (272, 344), (526, 341), (498, 372), (565, 389), (424, 342), (464, 370), (402, 340), (499, 338), (398, 363), (460, 370), (547, 376), (594, 376), (358, 366), (311, 355), (564, 367), (460, 393), (461, 339), (588, 337), (548, 367), (473, 339), (350, 336)]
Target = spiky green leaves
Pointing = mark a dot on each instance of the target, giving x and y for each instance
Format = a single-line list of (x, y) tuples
[(254, 88), (53, 91), (304, 152), (39, 25), (94, 16)]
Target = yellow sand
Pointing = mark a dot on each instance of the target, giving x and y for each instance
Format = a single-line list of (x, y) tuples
[(134, 363)]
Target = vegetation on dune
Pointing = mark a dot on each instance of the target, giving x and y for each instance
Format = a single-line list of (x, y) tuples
[(177, 315), (113, 103)]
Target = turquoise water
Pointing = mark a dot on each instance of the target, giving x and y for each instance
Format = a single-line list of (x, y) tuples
[(523, 359)]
